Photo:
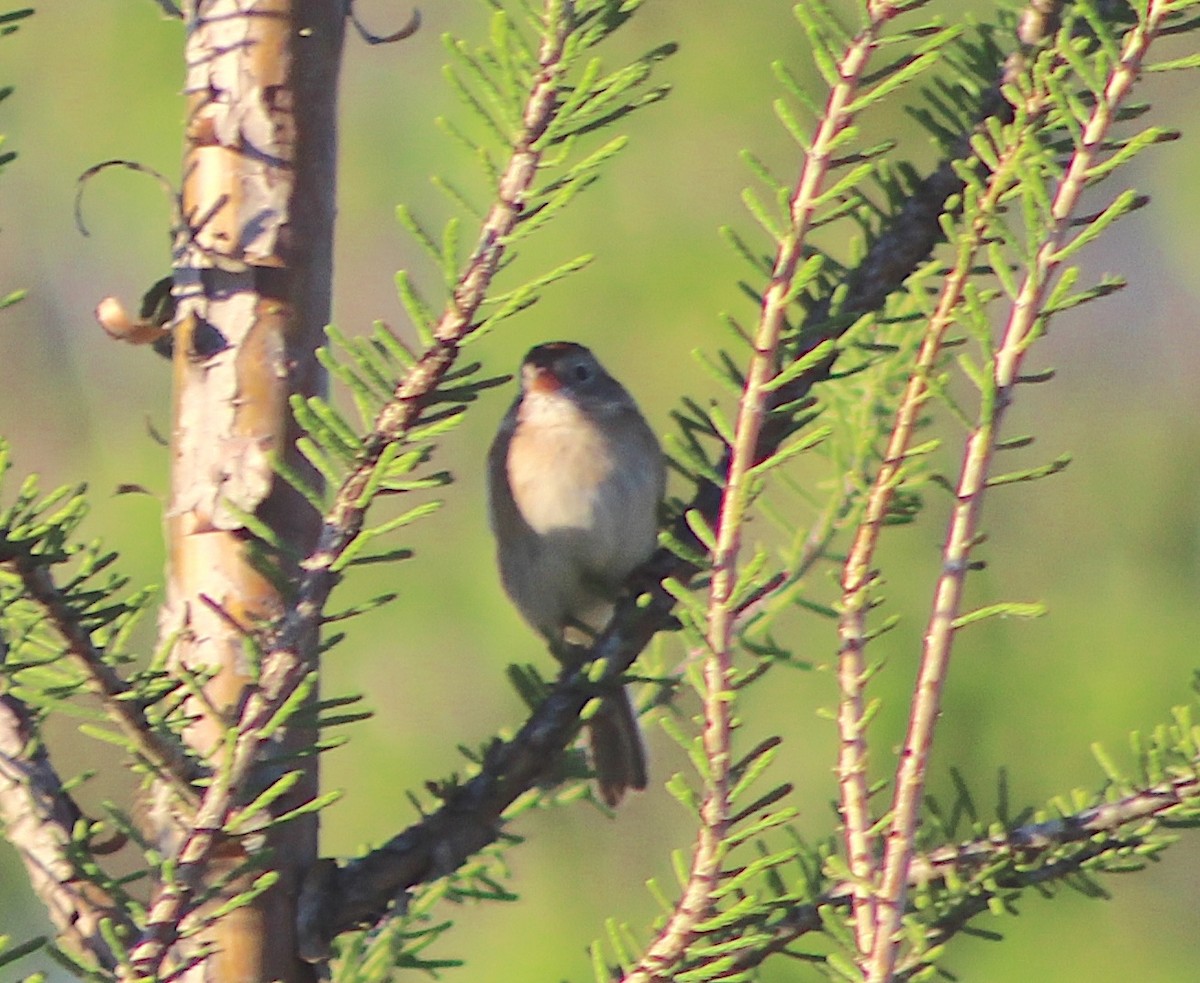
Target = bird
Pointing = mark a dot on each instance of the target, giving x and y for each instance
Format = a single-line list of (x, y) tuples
[(575, 478)]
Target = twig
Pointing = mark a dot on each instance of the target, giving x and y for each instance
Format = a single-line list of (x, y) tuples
[(85, 178), (964, 525), (160, 751)]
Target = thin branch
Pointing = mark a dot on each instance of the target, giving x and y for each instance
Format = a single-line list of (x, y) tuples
[(39, 816), (902, 245), (1023, 326), (160, 750), (695, 905), (339, 899), (1109, 827), (170, 903), (284, 669), (858, 575)]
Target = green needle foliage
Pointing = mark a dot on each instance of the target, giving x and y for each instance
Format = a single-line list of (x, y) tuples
[(891, 311)]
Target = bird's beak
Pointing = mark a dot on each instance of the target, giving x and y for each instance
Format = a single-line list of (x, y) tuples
[(539, 379)]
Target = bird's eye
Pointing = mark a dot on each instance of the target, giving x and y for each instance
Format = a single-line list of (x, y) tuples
[(582, 372)]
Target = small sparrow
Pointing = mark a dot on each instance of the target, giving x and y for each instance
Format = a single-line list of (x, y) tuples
[(575, 476)]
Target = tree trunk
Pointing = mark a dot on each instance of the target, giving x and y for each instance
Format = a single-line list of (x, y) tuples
[(253, 267)]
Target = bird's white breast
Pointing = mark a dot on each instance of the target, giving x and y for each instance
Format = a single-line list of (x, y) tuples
[(585, 489)]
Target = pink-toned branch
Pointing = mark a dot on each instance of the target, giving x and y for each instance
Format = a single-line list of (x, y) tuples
[(1020, 331), (858, 574), (695, 904)]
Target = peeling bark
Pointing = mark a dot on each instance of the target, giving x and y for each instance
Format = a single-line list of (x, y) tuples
[(252, 284)]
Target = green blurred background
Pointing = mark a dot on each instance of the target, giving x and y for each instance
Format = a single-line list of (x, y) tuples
[(1112, 545)]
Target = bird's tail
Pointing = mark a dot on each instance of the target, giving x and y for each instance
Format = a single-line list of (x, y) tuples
[(618, 754)]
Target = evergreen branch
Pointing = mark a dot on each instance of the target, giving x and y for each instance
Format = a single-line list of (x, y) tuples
[(40, 818), (1025, 323), (910, 234), (905, 242), (695, 905), (858, 575), (996, 865), (120, 700)]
